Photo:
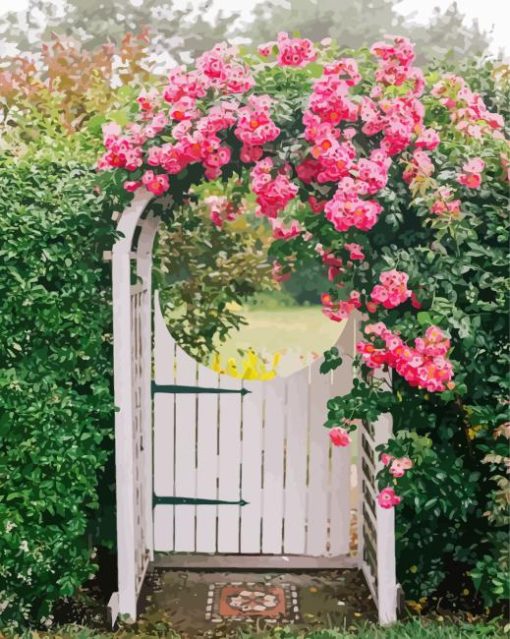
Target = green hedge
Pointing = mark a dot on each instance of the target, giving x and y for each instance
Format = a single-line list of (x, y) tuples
[(56, 409)]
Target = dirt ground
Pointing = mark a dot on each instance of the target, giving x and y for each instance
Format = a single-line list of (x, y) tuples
[(321, 599)]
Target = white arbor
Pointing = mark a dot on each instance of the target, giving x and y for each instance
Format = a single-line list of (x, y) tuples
[(259, 459)]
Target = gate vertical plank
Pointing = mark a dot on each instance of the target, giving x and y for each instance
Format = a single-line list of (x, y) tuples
[(318, 484), (207, 471), (164, 431), (229, 465), (274, 432), (251, 483), (185, 473), (340, 478), (296, 454)]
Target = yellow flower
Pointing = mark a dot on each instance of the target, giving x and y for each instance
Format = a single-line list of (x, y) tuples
[(251, 367)]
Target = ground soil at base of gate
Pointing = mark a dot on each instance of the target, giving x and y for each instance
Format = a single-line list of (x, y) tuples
[(197, 603)]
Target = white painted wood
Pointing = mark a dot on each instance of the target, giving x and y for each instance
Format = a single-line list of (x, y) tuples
[(318, 486), (253, 562), (229, 465), (113, 608), (164, 431), (340, 457), (185, 447), (144, 271), (251, 484), (124, 442), (386, 566), (207, 460), (273, 466), (296, 463)]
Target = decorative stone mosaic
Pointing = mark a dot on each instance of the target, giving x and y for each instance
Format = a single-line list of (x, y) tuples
[(249, 601)]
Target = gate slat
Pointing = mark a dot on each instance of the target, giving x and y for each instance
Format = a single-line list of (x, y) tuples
[(341, 457), (207, 471), (318, 484), (296, 454), (229, 465), (274, 430), (164, 428), (185, 473), (251, 484)]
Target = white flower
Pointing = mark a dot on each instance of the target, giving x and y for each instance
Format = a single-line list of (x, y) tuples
[(24, 545), (9, 525)]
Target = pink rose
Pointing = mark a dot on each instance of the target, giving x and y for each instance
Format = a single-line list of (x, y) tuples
[(339, 436), (387, 498)]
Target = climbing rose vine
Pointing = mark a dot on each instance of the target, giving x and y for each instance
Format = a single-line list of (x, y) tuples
[(316, 137)]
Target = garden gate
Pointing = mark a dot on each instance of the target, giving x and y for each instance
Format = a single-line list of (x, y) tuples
[(229, 472)]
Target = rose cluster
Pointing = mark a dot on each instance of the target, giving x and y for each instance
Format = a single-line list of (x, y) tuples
[(392, 289), (212, 114), (424, 366)]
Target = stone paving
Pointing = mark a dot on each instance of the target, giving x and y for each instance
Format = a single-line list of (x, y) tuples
[(219, 604)]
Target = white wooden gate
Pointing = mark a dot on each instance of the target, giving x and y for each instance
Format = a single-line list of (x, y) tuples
[(257, 451), (242, 469)]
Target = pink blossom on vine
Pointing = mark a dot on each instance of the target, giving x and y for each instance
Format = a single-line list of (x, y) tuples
[(424, 366), (184, 109), (386, 458), (468, 111), (251, 153), (147, 101), (346, 69), (392, 290), (221, 210), (278, 273), (444, 204), (132, 185), (254, 124), (273, 193), (316, 205), (355, 251), (428, 139), (222, 69), (265, 49), (282, 232), (155, 183), (184, 84), (308, 170), (295, 52), (421, 166), (346, 209), (339, 436), (471, 175), (387, 498), (415, 302), (340, 310)]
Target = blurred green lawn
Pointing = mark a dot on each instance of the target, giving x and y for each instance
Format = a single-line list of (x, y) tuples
[(300, 333)]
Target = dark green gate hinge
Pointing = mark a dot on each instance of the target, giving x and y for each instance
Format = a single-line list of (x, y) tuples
[(176, 388), (194, 501)]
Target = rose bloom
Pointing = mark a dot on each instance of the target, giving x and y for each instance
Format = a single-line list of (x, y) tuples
[(339, 436), (387, 498)]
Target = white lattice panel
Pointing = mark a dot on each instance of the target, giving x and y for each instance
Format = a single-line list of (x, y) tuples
[(376, 538), (139, 297)]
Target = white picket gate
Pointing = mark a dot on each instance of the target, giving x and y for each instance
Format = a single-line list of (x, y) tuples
[(215, 471), (258, 448)]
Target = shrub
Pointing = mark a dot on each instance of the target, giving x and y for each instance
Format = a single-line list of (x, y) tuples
[(56, 409)]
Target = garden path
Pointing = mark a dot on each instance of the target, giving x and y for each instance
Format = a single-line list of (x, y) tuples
[(215, 604)]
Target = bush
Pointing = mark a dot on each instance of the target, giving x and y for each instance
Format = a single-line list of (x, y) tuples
[(56, 409), (451, 533)]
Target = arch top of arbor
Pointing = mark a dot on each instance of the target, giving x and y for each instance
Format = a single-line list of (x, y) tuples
[(129, 219)]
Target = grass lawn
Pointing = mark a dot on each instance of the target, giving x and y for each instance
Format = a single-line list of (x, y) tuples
[(300, 333), (412, 629)]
